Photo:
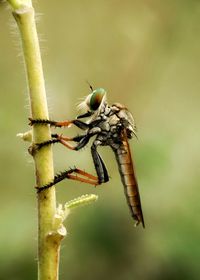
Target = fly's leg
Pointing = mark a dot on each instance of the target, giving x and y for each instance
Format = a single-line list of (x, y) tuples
[(59, 138), (37, 146), (100, 167), (56, 138), (51, 123), (83, 140), (79, 175), (73, 174), (85, 115), (89, 178), (80, 124), (66, 123), (102, 174)]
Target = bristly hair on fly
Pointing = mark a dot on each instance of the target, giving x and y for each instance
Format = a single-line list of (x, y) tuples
[(82, 105)]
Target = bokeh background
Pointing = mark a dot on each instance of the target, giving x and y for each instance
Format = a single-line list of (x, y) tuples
[(146, 55)]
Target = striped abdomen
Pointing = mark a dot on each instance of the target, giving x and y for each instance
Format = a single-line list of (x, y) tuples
[(126, 170)]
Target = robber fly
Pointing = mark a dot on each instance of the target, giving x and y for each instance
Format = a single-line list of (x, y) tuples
[(112, 126)]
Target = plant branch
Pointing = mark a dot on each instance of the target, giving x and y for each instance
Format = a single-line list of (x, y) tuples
[(48, 245)]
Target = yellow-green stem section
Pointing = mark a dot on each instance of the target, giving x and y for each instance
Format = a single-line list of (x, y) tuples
[(48, 248)]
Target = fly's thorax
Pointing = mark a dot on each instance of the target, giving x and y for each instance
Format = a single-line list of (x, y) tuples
[(103, 115), (94, 130), (127, 122), (104, 111), (116, 107), (114, 120), (111, 124), (105, 126)]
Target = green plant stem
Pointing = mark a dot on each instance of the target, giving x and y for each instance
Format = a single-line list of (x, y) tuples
[(48, 243)]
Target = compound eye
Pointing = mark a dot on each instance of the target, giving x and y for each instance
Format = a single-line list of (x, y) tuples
[(96, 98)]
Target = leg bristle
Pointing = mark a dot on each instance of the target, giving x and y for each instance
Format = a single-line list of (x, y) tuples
[(58, 178), (41, 122)]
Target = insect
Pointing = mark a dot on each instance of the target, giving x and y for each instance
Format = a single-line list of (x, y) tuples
[(112, 126)]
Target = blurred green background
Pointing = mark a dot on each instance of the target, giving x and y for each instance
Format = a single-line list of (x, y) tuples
[(146, 54)]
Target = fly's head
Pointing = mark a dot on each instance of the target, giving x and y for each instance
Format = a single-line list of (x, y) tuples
[(94, 102)]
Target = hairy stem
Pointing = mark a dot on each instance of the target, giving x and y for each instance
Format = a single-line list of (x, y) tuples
[(48, 241)]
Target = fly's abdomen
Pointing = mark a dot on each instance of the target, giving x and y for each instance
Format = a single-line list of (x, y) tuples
[(129, 181)]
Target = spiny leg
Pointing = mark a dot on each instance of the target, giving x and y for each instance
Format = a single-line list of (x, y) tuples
[(56, 138), (76, 122), (100, 167), (52, 123), (63, 123), (66, 123), (102, 174), (84, 176), (93, 180), (82, 141), (68, 174), (85, 115)]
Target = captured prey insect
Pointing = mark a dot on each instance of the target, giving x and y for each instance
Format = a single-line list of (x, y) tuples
[(112, 126)]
